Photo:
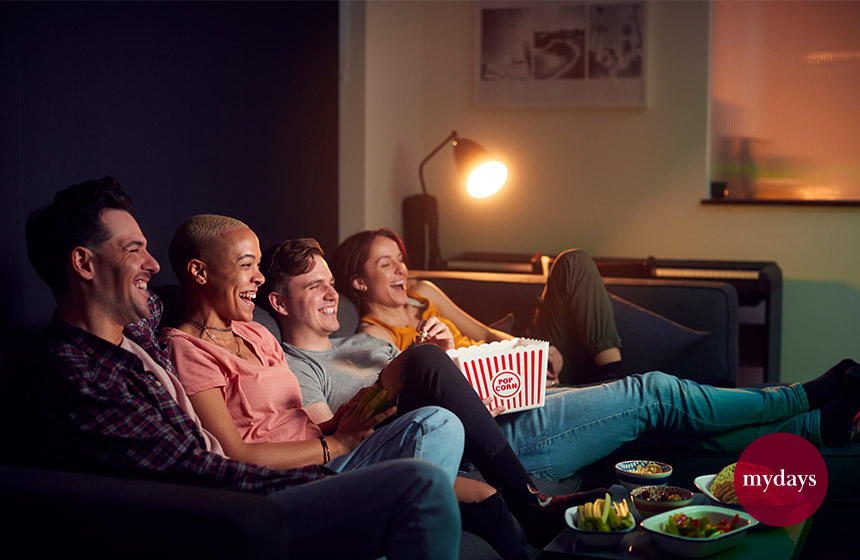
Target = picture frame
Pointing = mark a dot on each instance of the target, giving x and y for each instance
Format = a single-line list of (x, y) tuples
[(560, 54)]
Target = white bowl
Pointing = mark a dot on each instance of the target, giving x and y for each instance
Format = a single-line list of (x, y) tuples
[(595, 538), (632, 480), (703, 483), (699, 548)]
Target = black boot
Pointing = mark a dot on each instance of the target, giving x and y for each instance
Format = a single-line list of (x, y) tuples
[(492, 521), (543, 519), (839, 424), (829, 385)]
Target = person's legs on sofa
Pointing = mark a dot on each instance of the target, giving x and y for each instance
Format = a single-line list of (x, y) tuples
[(403, 508), (430, 433), (578, 426), (575, 315)]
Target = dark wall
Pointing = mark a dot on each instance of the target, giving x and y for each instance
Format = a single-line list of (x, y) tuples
[(194, 107)]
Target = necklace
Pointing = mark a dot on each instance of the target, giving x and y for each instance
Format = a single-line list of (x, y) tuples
[(207, 327), (205, 330)]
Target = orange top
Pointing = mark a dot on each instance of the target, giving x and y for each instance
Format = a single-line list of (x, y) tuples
[(404, 335)]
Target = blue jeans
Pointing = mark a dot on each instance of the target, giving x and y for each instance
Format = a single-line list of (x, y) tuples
[(580, 425), (399, 509), (383, 504), (430, 433)]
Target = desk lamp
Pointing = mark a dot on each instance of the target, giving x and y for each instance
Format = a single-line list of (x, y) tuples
[(484, 176)]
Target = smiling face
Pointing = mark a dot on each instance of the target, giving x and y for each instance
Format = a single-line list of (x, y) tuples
[(384, 279), (232, 277), (122, 268), (310, 302)]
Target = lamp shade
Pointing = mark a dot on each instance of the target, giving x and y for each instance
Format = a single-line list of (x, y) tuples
[(484, 175)]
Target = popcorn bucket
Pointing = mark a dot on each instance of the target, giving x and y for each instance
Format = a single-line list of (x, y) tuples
[(512, 372)]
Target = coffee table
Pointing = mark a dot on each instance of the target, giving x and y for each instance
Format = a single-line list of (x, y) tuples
[(773, 543)]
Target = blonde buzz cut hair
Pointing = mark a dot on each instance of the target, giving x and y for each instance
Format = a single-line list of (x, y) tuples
[(196, 238)]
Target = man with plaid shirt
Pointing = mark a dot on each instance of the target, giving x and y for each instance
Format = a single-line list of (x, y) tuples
[(107, 399)]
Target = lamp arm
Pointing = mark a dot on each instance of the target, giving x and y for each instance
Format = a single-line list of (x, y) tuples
[(452, 136)]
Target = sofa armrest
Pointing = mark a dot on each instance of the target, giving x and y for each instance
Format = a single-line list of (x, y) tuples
[(67, 514), (489, 296)]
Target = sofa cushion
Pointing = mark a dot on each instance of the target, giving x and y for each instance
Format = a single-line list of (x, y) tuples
[(651, 341), (63, 514), (347, 316), (505, 324), (265, 318), (699, 305)]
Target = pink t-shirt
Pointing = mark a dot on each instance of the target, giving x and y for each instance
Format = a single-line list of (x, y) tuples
[(264, 401)]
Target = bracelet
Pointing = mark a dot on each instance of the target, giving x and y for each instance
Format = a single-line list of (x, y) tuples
[(326, 453)]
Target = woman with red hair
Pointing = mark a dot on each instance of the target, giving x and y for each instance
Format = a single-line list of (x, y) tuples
[(574, 314)]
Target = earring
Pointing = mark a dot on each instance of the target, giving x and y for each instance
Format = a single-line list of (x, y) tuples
[(364, 288), (200, 280)]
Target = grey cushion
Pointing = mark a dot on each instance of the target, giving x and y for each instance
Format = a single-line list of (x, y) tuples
[(265, 318), (347, 316)]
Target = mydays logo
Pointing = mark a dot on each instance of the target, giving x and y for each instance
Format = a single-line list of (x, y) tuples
[(781, 479)]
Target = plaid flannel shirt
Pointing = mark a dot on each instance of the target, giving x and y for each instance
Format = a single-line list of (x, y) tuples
[(98, 410)]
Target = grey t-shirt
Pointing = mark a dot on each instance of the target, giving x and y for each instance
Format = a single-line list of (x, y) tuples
[(335, 376)]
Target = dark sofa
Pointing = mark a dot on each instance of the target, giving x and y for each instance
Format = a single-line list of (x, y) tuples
[(71, 515), (106, 517)]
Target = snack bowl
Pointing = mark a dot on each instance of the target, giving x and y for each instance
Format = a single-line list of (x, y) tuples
[(689, 547), (630, 479), (595, 538), (703, 483), (650, 500)]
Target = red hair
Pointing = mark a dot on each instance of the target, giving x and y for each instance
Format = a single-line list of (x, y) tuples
[(350, 259)]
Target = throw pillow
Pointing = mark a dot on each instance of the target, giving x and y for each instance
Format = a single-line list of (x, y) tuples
[(650, 341)]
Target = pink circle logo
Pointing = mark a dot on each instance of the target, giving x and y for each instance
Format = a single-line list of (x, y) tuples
[(506, 384), (781, 479)]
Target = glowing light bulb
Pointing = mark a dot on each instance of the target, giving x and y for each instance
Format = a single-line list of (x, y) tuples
[(487, 179)]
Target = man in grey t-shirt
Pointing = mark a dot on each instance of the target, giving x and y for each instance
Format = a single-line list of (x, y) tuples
[(300, 290), (333, 376)]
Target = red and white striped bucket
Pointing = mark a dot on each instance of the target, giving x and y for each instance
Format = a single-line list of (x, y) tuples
[(512, 372)]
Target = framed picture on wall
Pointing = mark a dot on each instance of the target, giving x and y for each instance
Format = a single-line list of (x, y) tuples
[(560, 53)]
